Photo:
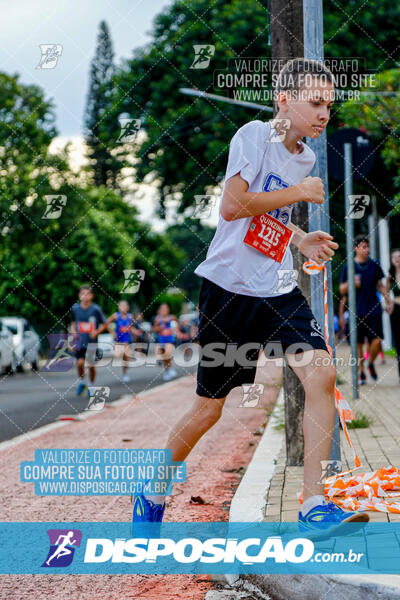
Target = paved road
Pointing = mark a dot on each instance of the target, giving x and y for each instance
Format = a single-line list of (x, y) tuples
[(29, 400), (214, 469)]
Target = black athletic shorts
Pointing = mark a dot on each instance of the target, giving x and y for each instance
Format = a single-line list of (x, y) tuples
[(92, 355), (369, 327), (234, 327)]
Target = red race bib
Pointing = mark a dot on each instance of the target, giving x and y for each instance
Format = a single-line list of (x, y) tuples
[(85, 327), (269, 236)]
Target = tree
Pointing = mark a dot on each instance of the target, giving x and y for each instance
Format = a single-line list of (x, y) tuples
[(184, 150), (377, 112), (187, 139), (101, 125), (95, 236), (194, 238)]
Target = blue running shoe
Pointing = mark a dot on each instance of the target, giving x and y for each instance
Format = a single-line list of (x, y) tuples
[(146, 517), (81, 388), (327, 519)]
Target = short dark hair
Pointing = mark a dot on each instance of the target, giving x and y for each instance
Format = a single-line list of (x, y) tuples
[(361, 237), (86, 286)]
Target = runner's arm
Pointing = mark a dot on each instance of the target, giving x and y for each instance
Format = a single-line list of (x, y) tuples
[(316, 245), (238, 203), (342, 304), (382, 288), (106, 325), (344, 284), (156, 327), (174, 318), (73, 322)]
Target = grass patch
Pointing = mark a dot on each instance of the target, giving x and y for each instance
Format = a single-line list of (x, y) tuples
[(279, 418), (391, 352), (279, 426), (360, 422)]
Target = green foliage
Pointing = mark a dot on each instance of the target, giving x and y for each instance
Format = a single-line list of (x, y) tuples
[(187, 138), (194, 239), (360, 422), (379, 114), (174, 301), (97, 236), (368, 30), (101, 125)]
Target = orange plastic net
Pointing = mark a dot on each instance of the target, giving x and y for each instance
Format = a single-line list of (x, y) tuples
[(364, 491)]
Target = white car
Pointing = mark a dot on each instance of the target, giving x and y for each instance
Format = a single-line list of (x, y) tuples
[(8, 362), (25, 340), (191, 317), (106, 344)]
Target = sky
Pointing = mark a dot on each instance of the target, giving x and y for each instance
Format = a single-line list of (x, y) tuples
[(25, 24), (73, 24)]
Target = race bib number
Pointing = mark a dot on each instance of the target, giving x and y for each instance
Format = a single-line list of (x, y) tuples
[(269, 236), (85, 327)]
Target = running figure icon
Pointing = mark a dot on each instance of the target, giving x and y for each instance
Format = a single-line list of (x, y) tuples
[(62, 549)]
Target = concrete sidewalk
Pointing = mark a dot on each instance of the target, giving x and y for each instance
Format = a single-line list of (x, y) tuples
[(376, 445), (276, 485)]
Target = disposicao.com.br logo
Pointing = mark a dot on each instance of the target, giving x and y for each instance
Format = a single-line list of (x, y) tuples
[(193, 550)]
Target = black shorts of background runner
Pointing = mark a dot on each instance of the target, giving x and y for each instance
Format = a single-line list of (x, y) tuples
[(93, 354), (237, 319), (369, 327)]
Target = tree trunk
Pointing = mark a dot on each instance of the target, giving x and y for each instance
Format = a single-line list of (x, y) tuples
[(286, 22)]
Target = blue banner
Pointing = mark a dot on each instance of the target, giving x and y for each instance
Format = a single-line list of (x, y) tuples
[(78, 548)]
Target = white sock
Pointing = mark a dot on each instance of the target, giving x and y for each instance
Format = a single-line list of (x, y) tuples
[(155, 499), (310, 503)]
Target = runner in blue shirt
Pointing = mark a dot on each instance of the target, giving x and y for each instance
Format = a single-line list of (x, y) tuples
[(122, 335), (166, 337)]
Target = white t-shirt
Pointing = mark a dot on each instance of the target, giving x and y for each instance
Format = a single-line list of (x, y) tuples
[(257, 153)]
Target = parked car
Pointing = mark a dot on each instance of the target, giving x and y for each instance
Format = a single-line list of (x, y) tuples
[(8, 362), (106, 344), (192, 317), (25, 340)]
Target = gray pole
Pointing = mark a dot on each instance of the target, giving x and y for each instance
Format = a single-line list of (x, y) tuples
[(318, 215), (218, 98), (348, 191), (372, 237)]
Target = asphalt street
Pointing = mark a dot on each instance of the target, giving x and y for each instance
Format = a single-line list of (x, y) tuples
[(32, 399)]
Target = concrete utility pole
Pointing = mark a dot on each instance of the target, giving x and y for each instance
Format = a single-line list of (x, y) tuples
[(286, 23), (384, 253), (319, 215), (351, 293)]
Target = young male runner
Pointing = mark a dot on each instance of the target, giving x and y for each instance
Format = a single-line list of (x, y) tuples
[(86, 318), (240, 301)]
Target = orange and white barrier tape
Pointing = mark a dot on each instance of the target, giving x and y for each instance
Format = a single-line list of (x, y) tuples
[(374, 485)]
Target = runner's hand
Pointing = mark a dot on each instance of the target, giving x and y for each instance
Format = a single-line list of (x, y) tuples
[(389, 307), (312, 190), (318, 246)]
